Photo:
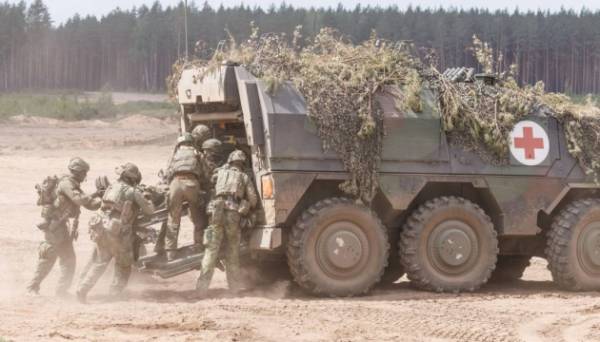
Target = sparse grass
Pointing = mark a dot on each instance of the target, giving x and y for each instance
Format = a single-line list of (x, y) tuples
[(76, 106), (150, 108)]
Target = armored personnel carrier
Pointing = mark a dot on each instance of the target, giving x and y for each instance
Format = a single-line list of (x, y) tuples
[(443, 215)]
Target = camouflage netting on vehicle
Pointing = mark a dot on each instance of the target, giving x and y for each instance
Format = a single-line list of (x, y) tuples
[(480, 116), (339, 81), (582, 128)]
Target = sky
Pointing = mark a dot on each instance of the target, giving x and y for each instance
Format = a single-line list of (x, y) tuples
[(61, 10)]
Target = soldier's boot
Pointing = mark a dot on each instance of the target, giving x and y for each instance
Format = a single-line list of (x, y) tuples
[(47, 258), (234, 283), (81, 296), (33, 290), (91, 278), (203, 283), (232, 257), (209, 262), (219, 264), (120, 280), (171, 255), (67, 263), (208, 269)]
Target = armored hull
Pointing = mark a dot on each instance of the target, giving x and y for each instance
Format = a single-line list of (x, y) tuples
[(451, 217)]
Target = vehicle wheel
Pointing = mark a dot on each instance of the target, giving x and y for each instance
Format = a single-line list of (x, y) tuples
[(573, 249), (448, 245), (510, 268), (338, 248)]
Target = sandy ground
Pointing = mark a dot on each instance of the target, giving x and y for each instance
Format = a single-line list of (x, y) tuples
[(154, 309)]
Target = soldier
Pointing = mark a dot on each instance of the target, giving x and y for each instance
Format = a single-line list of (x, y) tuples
[(112, 230), (186, 175), (211, 149), (58, 238), (234, 197)]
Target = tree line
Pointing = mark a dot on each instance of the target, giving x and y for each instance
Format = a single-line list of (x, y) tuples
[(134, 49)]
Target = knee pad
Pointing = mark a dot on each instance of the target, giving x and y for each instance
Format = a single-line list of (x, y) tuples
[(46, 250)]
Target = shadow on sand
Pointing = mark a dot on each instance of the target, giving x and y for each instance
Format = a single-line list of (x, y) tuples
[(400, 291)]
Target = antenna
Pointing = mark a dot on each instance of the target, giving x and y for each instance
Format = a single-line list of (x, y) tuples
[(185, 22)]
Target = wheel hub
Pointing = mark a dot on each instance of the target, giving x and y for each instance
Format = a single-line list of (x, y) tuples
[(591, 245), (344, 249), (454, 246)]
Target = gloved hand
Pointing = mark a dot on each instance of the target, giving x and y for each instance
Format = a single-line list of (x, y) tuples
[(147, 195), (244, 208), (102, 183)]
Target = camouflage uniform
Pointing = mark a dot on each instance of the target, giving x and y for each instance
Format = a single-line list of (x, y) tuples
[(111, 230), (58, 240), (234, 197), (186, 174)]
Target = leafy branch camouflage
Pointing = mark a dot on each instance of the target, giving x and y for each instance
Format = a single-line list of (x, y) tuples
[(340, 82), (481, 116)]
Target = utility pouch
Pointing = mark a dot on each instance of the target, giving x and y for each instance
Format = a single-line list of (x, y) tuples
[(208, 236), (54, 225), (127, 216), (96, 228), (47, 212), (113, 226)]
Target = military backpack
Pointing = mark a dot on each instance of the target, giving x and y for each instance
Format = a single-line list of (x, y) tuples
[(47, 191)]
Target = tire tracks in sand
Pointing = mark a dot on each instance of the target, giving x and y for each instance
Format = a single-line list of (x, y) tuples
[(576, 326)]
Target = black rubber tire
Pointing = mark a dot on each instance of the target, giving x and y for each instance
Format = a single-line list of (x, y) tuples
[(312, 267), (565, 259), (420, 263), (510, 268)]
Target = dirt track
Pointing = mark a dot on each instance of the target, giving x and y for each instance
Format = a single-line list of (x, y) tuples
[(531, 310)]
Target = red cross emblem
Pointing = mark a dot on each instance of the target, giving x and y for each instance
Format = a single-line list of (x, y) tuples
[(529, 143)]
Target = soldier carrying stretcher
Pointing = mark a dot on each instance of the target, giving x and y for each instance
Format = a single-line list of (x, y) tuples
[(61, 200), (186, 175), (112, 230), (234, 197)]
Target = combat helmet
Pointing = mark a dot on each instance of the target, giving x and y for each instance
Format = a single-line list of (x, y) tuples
[(200, 133), (211, 144), (237, 156), (185, 138), (130, 173), (78, 165)]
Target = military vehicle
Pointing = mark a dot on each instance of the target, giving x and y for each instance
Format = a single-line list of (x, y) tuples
[(443, 214)]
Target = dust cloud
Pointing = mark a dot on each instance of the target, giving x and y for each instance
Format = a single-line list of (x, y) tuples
[(158, 309)]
